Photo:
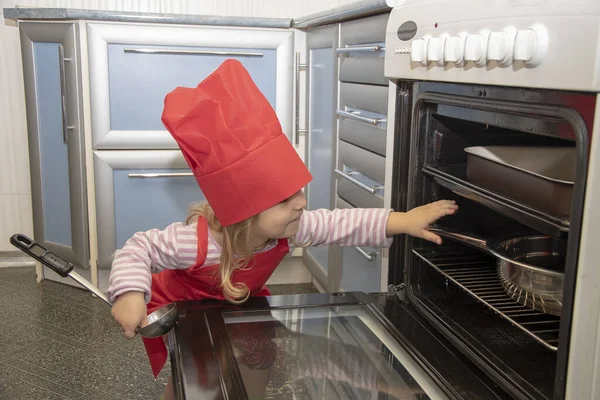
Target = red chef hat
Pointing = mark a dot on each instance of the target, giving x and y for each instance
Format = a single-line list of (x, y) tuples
[(233, 142)]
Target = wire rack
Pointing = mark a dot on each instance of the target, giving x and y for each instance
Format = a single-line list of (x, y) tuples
[(477, 275)]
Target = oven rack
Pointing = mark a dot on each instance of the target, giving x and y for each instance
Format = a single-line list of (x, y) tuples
[(453, 178), (477, 275)]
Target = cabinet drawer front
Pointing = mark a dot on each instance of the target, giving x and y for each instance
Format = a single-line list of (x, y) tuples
[(139, 79), (147, 203), (358, 197), (367, 36), (364, 30), (132, 67), (138, 192), (367, 163), (370, 103), (358, 272), (363, 70)]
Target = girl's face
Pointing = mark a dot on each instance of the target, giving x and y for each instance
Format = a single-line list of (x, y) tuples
[(282, 220)]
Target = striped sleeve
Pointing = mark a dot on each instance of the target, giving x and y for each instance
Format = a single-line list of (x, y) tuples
[(175, 247), (344, 227)]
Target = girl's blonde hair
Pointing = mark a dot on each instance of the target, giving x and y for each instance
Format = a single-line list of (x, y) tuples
[(237, 249)]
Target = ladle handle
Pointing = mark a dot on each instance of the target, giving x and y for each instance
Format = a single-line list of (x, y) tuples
[(54, 262), (40, 253), (474, 241)]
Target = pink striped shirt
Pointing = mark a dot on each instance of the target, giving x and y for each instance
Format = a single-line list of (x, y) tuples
[(176, 246)]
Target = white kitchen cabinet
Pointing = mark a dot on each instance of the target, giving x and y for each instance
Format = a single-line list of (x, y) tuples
[(111, 147)]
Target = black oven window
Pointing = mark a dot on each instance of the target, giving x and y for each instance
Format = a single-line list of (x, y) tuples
[(323, 353)]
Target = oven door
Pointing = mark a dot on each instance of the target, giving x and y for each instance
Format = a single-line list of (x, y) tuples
[(317, 346)]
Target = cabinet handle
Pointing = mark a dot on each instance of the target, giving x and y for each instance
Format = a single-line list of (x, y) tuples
[(368, 255), (348, 177), (194, 52), (360, 49), (63, 93), (162, 175), (297, 130), (356, 116)]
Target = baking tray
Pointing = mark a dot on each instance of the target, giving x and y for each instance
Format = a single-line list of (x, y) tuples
[(540, 177)]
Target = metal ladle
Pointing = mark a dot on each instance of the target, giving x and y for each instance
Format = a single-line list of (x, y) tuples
[(160, 321)]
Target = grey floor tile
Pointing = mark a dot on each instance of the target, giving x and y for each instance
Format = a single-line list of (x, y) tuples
[(14, 337), (30, 392), (49, 354), (150, 391), (300, 288), (49, 383), (109, 373), (10, 380)]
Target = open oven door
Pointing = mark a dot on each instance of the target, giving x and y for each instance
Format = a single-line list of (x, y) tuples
[(318, 346)]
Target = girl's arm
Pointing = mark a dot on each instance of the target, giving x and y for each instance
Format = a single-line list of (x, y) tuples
[(175, 247), (369, 226)]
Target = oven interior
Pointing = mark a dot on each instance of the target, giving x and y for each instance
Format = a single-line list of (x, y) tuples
[(456, 286)]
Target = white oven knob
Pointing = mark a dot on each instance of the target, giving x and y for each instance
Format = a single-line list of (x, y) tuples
[(435, 49), (454, 48), (475, 47), (418, 50), (500, 46), (531, 45)]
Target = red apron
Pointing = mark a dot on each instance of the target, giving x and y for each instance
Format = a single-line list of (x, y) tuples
[(199, 282)]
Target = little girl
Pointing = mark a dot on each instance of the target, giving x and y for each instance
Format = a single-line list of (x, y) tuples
[(252, 179)]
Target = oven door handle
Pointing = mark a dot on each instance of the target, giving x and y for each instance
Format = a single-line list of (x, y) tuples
[(368, 255), (356, 116), (348, 177)]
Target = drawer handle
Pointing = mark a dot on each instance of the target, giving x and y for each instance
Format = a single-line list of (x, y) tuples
[(194, 52), (162, 175), (360, 49), (368, 255), (348, 177), (298, 131), (356, 116), (63, 93)]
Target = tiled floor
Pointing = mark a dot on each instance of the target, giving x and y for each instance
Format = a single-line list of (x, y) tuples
[(58, 342)]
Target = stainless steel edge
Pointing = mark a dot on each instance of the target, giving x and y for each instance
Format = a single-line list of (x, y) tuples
[(343, 13), (39, 13)]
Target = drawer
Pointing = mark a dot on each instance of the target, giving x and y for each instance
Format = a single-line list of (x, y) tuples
[(139, 78), (360, 265), (362, 47), (367, 163), (357, 196), (362, 116), (138, 191), (132, 68)]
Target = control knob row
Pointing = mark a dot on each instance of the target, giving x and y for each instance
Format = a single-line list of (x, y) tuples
[(505, 46)]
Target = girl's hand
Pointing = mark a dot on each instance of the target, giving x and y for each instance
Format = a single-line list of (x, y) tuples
[(129, 310), (416, 221)]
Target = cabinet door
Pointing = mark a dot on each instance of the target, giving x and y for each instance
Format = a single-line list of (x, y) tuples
[(321, 138), (51, 71), (137, 191), (133, 67), (361, 266)]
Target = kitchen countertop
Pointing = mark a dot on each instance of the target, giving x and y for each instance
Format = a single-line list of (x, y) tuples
[(335, 15)]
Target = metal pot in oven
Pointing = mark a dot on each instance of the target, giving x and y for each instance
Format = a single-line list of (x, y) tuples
[(531, 268)]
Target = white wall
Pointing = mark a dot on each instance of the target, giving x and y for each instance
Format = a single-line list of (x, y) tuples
[(15, 193)]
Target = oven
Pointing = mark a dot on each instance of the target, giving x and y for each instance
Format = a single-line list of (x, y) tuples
[(492, 106), (493, 111)]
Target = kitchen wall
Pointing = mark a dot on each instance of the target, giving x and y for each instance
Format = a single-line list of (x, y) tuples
[(15, 201)]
